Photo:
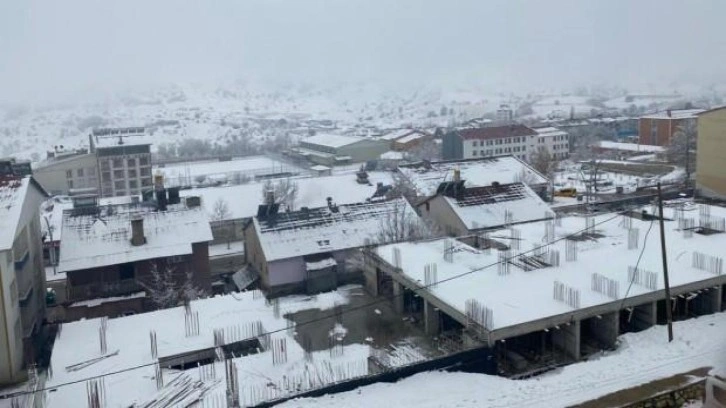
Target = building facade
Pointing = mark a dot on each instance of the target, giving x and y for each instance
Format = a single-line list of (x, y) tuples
[(658, 129), (115, 261), (329, 149), (518, 140), (68, 172), (711, 153), (555, 141), (124, 161), (22, 277)]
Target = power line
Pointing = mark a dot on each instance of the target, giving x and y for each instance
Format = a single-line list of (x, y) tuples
[(635, 272), (352, 309)]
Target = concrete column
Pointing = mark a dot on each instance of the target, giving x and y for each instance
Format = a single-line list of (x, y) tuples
[(716, 296), (397, 297), (370, 273), (567, 338), (469, 341), (606, 328), (431, 319), (644, 316)]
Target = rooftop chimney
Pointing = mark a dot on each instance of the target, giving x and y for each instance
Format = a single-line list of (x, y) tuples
[(270, 197), (137, 231), (668, 112), (457, 174)]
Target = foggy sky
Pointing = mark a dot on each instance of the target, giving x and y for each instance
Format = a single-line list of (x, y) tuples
[(52, 47)]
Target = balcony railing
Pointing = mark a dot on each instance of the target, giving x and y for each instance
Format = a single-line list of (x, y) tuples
[(103, 289)]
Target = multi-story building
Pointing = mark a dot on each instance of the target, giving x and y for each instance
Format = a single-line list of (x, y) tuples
[(123, 158), (657, 129), (518, 140), (555, 141), (711, 153), (114, 253), (68, 171), (22, 277)]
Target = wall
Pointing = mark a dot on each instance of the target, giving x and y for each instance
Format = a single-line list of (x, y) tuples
[(441, 213), (367, 149), (286, 271), (518, 146), (711, 154), (665, 128), (11, 346), (254, 254), (674, 398), (53, 176), (452, 146)]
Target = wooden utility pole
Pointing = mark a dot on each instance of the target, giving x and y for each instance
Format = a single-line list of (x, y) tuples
[(669, 310)]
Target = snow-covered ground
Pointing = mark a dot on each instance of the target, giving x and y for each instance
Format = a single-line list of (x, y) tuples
[(640, 358), (608, 181)]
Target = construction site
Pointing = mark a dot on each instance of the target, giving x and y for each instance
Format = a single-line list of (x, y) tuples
[(545, 294)]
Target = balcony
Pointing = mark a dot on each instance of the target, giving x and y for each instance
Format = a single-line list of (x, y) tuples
[(103, 289)]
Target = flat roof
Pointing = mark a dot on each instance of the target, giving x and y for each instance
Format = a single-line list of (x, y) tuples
[(674, 114), (631, 147), (426, 177), (331, 140), (496, 132), (243, 200), (91, 241), (519, 296), (550, 131), (13, 193)]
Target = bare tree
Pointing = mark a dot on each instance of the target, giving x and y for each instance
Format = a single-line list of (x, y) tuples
[(543, 162), (426, 150), (403, 224), (167, 290), (402, 187), (220, 211), (681, 150), (285, 192)]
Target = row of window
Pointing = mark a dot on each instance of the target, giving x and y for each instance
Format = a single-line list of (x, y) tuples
[(508, 140), (503, 150), (556, 138), (119, 163), (122, 174)]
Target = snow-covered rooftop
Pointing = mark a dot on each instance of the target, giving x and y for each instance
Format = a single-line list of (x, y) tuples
[(392, 155), (12, 194), (411, 137), (130, 373), (98, 240), (426, 177), (243, 200), (397, 134), (331, 140), (319, 230), (187, 173), (483, 207), (630, 147), (518, 296), (674, 114), (550, 132)]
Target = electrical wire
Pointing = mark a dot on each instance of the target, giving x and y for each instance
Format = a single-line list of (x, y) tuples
[(333, 315)]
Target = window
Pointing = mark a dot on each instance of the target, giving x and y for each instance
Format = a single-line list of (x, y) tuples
[(119, 185), (175, 259), (70, 183), (79, 172), (69, 174), (482, 153), (145, 171), (118, 163), (473, 153), (143, 161), (106, 176), (145, 182), (105, 165), (473, 143), (118, 174), (133, 184), (126, 271), (132, 173)]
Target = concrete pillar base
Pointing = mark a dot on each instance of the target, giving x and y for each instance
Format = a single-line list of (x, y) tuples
[(567, 339), (605, 328), (397, 297), (431, 319), (644, 316)]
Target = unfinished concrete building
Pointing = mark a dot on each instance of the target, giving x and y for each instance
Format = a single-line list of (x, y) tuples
[(549, 293)]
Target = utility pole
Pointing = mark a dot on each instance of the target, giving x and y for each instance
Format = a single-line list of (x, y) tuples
[(669, 310)]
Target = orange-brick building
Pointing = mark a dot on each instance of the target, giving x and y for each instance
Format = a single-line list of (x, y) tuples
[(657, 129)]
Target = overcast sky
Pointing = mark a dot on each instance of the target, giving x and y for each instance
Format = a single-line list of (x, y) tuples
[(54, 47)]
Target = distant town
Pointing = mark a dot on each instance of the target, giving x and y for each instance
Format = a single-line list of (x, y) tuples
[(139, 272)]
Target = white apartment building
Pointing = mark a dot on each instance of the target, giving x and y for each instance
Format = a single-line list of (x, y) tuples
[(517, 140), (22, 278), (556, 141)]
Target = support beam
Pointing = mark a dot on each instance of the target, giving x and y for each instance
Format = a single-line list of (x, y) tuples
[(567, 339), (372, 278), (644, 316), (605, 328), (431, 319), (397, 297)]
